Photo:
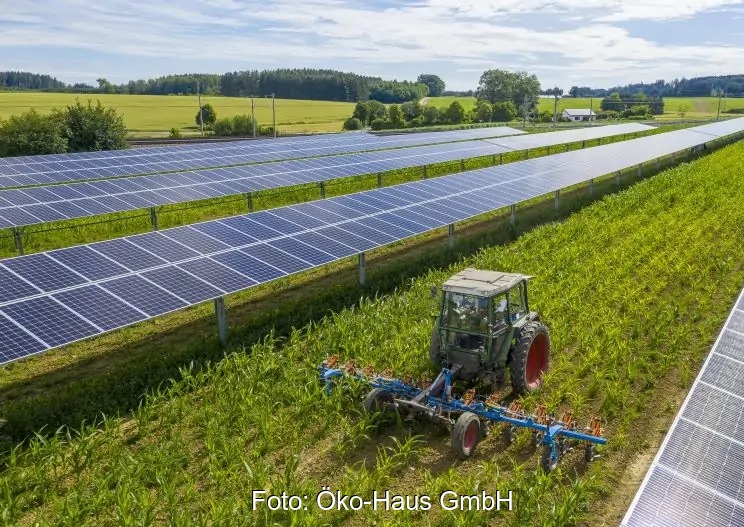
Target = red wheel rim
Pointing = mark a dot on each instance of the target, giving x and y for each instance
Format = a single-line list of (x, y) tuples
[(537, 360), (471, 434)]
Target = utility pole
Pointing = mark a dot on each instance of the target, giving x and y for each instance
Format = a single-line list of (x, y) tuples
[(273, 112), (555, 110), (720, 95), (253, 115), (591, 108), (201, 110)]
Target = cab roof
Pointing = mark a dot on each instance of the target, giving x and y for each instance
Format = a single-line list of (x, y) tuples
[(482, 283)]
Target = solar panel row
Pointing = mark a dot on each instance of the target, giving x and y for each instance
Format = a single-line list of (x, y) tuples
[(29, 206), (58, 297), (697, 478), (127, 163)]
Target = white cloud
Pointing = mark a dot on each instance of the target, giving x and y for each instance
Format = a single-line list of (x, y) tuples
[(466, 36)]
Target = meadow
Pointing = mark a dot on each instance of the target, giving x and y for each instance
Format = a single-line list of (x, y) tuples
[(697, 107), (155, 115), (191, 453)]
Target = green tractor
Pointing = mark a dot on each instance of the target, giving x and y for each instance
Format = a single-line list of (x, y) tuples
[(485, 327)]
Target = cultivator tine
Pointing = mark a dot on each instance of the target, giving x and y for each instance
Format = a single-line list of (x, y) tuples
[(541, 414), (423, 383), (595, 427), (369, 371), (567, 418), (468, 397), (515, 408), (407, 378), (387, 374), (492, 401), (331, 362), (350, 367)]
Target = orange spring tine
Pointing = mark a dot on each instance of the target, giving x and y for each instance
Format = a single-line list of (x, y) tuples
[(350, 366), (332, 361), (515, 407), (369, 371), (387, 374), (468, 397), (407, 378), (541, 414), (492, 400)]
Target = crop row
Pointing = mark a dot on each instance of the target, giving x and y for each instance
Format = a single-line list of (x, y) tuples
[(633, 288)]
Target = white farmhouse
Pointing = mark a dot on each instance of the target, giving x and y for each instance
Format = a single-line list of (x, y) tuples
[(580, 115)]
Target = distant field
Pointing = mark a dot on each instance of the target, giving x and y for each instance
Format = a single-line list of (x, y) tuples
[(157, 114), (697, 107)]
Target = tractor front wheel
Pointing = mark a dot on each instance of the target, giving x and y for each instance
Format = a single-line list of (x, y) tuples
[(465, 435), (531, 357), (377, 400)]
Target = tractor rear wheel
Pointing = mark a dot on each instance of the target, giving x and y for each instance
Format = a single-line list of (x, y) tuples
[(465, 435), (434, 348), (530, 358), (377, 400)]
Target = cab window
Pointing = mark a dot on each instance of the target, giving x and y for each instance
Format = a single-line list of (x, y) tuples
[(517, 305)]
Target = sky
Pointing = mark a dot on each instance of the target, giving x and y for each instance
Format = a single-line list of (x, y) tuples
[(597, 43)]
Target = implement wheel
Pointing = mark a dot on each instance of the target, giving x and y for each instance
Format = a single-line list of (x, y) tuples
[(531, 358), (465, 435), (547, 463), (377, 400)]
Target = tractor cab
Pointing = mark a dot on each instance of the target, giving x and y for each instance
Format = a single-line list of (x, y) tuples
[(481, 314)]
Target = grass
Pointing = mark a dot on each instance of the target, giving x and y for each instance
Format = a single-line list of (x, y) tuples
[(191, 454), (154, 115), (697, 107)]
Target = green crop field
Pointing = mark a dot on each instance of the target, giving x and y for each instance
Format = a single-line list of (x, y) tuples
[(634, 288), (696, 108), (154, 115)]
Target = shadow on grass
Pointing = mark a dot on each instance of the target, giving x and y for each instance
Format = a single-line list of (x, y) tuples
[(113, 382)]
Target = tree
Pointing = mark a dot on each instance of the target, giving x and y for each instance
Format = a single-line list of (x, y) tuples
[(483, 111), (501, 86), (238, 125), (432, 115), (455, 113), (395, 114), (504, 112), (210, 116), (682, 110), (574, 91), (92, 128), (435, 84), (352, 123), (31, 133), (411, 110), (104, 86), (362, 112), (377, 110)]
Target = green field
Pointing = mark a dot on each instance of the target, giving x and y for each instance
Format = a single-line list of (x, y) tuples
[(154, 115), (192, 453), (697, 108)]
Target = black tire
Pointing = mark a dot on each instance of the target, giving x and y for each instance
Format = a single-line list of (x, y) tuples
[(465, 435), (434, 348), (547, 464), (376, 400), (532, 339)]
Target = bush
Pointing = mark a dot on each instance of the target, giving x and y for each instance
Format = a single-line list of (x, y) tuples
[(735, 111), (352, 123), (417, 122), (237, 125), (432, 115), (504, 112), (210, 116), (93, 128), (223, 127), (455, 114), (175, 133), (31, 133), (382, 124), (266, 130)]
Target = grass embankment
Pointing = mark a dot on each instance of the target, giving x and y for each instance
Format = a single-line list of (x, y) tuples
[(155, 115), (696, 107), (633, 288)]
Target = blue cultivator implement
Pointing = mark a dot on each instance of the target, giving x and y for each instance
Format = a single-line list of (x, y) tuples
[(469, 417)]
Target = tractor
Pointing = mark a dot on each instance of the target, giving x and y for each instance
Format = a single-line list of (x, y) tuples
[(485, 326)]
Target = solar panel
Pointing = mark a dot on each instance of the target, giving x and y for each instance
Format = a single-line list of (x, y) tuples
[(697, 477), (166, 274), (57, 168), (33, 205)]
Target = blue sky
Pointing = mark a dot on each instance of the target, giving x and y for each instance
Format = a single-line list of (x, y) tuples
[(565, 42)]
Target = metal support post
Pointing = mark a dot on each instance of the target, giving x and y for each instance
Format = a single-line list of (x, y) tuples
[(566, 147), (219, 310), (513, 215), (501, 159), (640, 169), (425, 172), (548, 150), (617, 179), (657, 164), (451, 230), (583, 144), (379, 179), (322, 190), (527, 153), (591, 188), (362, 270), (154, 218), (493, 161), (249, 199), (462, 165), (18, 237), (557, 199)]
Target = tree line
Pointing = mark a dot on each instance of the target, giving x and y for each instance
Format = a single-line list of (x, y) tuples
[(710, 86), (312, 84)]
